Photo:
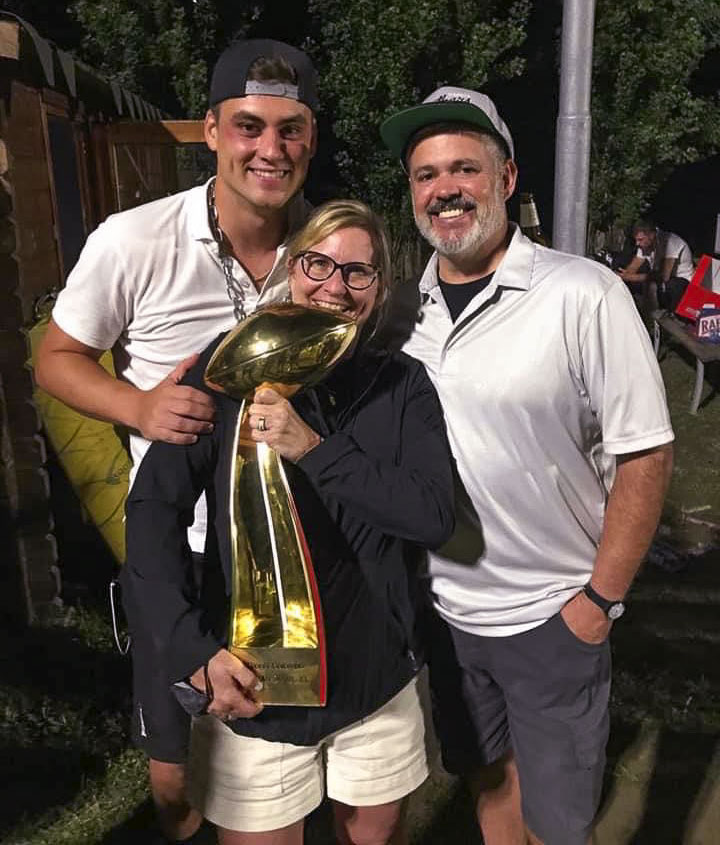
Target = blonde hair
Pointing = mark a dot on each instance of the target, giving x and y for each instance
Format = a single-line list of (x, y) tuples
[(335, 215)]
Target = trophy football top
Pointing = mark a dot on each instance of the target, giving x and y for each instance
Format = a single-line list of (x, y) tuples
[(287, 344)]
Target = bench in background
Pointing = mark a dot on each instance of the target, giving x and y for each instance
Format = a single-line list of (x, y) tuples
[(681, 333)]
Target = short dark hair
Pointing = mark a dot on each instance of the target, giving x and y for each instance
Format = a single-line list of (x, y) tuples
[(644, 224), (272, 69), (456, 127), (267, 69)]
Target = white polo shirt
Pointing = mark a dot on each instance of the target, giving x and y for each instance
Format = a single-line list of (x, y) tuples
[(149, 284), (544, 377)]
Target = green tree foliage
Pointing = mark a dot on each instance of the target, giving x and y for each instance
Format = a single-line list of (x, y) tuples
[(165, 49), (161, 49), (145, 47), (376, 57), (646, 119)]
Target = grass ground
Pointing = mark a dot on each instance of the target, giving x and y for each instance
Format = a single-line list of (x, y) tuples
[(69, 777)]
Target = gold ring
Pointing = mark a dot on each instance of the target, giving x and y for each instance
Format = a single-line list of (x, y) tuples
[(261, 424)]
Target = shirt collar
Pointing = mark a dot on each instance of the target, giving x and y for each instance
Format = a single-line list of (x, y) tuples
[(197, 213), (514, 271)]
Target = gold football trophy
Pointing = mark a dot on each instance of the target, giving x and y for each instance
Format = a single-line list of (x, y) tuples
[(276, 624)]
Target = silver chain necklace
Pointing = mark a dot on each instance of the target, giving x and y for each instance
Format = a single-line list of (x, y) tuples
[(235, 289)]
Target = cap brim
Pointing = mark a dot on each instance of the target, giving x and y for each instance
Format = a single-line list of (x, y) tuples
[(397, 130)]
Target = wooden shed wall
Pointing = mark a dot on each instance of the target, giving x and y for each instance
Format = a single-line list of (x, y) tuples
[(36, 250), (28, 257), (47, 128)]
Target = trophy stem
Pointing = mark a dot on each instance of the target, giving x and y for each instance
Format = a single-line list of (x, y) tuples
[(276, 617), (265, 455)]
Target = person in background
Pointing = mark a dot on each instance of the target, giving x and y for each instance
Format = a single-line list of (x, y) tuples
[(370, 470), (557, 420), (155, 284), (661, 268)]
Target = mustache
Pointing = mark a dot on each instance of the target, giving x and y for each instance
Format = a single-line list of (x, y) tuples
[(451, 204)]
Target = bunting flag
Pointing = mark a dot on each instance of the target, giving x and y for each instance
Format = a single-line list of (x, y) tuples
[(117, 96), (131, 104), (67, 63), (44, 51), (139, 107)]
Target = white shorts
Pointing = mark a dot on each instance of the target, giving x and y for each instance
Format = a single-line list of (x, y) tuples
[(252, 785)]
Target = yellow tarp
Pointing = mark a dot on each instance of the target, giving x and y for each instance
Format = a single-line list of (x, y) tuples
[(91, 454)]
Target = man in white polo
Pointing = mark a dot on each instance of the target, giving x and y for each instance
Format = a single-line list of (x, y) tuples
[(666, 254), (661, 268), (158, 282), (557, 419)]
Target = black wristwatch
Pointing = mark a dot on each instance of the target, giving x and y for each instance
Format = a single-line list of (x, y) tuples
[(612, 609)]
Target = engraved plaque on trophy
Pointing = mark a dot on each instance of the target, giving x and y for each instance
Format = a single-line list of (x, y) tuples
[(276, 624)]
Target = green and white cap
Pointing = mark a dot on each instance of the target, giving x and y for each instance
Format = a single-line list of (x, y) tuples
[(447, 104)]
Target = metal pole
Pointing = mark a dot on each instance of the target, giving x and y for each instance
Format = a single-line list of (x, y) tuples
[(572, 145)]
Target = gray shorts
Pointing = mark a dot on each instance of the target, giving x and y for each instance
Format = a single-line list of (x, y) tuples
[(542, 694)]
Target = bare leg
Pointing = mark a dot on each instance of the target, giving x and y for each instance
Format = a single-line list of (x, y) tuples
[(290, 835), (496, 792), (381, 824), (178, 820)]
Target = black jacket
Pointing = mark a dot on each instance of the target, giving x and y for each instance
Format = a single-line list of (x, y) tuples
[(369, 496)]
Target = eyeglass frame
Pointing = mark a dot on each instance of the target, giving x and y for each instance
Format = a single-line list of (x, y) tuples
[(336, 266)]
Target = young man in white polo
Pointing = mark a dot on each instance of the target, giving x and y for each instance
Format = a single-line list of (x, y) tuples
[(155, 284), (661, 268), (557, 419)]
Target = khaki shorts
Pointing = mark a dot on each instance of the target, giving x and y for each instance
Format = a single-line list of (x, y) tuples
[(252, 785)]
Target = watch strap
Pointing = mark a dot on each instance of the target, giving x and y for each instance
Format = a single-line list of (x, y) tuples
[(603, 603)]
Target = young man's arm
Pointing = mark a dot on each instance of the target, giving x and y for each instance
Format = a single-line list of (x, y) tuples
[(668, 267), (630, 273), (69, 370)]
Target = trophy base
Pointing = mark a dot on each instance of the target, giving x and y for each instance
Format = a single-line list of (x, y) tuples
[(291, 676)]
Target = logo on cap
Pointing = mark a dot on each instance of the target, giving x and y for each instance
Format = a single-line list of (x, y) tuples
[(453, 98)]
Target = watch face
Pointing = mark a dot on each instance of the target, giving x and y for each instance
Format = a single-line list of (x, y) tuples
[(615, 611)]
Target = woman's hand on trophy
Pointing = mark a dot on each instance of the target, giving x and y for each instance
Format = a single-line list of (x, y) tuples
[(230, 686), (274, 421)]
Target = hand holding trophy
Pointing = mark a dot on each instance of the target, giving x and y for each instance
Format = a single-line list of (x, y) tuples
[(276, 623)]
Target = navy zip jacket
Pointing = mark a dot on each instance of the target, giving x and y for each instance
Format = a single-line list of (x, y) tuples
[(370, 496)]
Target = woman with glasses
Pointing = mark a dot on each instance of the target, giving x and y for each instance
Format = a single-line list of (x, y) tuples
[(370, 470)]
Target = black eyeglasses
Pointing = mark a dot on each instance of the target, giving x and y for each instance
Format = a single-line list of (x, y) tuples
[(319, 267)]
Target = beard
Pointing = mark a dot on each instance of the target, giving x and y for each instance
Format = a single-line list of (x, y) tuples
[(489, 219)]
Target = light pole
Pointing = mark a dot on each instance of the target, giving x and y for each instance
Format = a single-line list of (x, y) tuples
[(572, 144)]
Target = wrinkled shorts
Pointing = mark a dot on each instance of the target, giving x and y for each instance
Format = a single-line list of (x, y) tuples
[(250, 784), (542, 694)]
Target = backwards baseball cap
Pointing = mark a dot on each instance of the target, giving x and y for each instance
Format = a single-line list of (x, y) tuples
[(230, 76), (447, 104)]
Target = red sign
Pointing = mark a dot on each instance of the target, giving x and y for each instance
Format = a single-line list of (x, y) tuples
[(699, 292)]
